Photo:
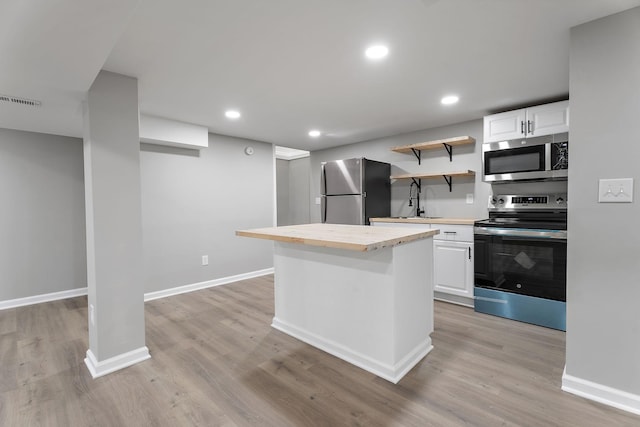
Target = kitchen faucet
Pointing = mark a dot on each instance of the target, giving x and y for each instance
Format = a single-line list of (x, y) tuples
[(418, 210)]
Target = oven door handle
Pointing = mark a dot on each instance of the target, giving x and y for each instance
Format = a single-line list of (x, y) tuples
[(516, 233), (534, 239)]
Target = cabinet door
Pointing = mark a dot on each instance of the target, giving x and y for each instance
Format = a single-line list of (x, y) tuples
[(548, 119), (453, 267), (504, 126)]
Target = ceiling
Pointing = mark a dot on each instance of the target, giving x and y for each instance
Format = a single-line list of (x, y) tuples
[(290, 66)]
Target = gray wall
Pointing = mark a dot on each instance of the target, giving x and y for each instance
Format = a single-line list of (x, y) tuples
[(603, 325), (113, 217), (42, 224), (435, 192), (292, 177), (282, 191), (192, 204), (299, 170)]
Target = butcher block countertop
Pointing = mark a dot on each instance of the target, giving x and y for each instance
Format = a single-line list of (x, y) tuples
[(352, 237), (420, 220)]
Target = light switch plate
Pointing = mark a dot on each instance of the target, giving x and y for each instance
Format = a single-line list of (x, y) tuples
[(317, 200), (615, 190), (469, 198)]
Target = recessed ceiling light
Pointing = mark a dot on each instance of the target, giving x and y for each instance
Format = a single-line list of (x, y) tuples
[(232, 114), (450, 99), (314, 133), (376, 52)]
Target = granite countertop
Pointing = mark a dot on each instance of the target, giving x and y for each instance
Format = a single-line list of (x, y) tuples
[(352, 237), (426, 220)]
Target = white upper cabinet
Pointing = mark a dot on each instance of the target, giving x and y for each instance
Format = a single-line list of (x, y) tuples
[(548, 119), (505, 126), (540, 120)]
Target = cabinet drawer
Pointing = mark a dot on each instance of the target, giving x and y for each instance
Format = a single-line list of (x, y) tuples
[(459, 233)]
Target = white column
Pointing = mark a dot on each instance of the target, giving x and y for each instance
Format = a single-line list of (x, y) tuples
[(114, 225)]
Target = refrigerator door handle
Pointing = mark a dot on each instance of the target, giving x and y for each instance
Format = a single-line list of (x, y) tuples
[(323, 182), (323, 208)]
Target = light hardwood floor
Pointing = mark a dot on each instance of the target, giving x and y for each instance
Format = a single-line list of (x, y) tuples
[(217, 362)]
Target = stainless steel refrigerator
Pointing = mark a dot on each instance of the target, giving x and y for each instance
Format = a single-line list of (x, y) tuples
[(354, 190)]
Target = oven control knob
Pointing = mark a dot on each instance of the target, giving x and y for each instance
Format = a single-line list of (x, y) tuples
[(501, 201), (559, 200), (493, 200)]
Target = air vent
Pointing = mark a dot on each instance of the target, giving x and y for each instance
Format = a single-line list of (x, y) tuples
[(21, 101)]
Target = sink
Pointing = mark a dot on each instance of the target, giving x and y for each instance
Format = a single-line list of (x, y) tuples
[(415, 217)]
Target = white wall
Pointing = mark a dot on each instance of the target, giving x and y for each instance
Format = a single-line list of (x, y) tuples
[(603, 321), (42, 223)]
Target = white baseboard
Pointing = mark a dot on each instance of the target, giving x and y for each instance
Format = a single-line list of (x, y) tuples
[(601, 393), (150, 296), (392, 373), (410, 360), (104, 367), (453, 299), (37, 299)]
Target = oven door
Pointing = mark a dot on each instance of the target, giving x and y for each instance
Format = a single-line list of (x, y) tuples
[(521, 261)]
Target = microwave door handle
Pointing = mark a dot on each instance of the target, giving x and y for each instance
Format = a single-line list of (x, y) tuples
[(547, 157)]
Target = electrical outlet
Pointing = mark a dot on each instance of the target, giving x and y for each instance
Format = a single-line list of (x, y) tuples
[(92, 316), (317, 200), (469, 198), (615, 190), (205, 259)]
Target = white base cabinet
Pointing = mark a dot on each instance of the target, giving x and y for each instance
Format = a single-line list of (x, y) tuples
[(452, 261), (453, 268)]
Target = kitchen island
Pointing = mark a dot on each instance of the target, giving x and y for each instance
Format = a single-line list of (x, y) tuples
[(363, 294)]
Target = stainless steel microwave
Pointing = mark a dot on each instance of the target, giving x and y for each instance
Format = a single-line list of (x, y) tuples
[(539, 158)]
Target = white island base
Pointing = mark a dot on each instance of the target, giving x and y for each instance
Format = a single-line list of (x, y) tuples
[(373, 309)]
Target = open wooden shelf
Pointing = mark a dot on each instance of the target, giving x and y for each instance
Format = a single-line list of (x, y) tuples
[(433, 175), (447, 144), (432, 145), (448, 176)]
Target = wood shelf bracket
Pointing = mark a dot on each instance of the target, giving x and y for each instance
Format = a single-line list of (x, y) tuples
[(418, 183), (449, 180), (418, 154), (449, 149)]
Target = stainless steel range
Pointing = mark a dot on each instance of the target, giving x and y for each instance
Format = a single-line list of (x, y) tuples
[(521, 259)]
